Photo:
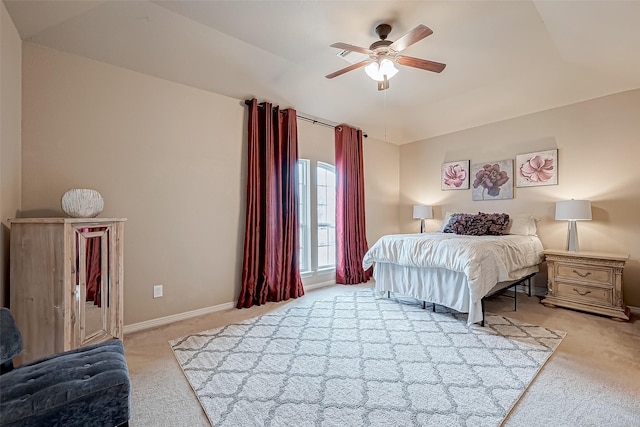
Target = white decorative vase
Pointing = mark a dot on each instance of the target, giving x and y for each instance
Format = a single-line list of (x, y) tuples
[(82, 203)]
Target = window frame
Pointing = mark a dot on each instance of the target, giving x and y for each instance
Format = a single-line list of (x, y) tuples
[(304, 220), (328, 168)]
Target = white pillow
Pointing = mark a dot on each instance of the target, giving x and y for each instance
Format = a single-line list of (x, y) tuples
[(523, 224), (445, 221)]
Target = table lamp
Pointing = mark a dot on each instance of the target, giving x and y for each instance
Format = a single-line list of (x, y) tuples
[(572, 211), (422, 212)]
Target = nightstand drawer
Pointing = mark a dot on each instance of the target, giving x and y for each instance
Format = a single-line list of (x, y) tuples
[(584, 273), (584, 293)]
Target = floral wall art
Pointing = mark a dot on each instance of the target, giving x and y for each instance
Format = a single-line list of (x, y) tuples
[(492, 180), (455, 175), (539, 168)]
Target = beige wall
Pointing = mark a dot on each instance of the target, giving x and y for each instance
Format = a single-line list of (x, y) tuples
[(598, 144), (10, 144), (171, 159), (381, 187), (168, 157)]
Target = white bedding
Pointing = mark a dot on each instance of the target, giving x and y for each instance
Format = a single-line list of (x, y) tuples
[(483, 261)]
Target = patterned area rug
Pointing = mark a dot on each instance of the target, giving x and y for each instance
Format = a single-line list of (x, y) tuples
[(357, 360)]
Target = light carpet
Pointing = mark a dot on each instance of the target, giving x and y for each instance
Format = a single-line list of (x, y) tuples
[(358, 360)]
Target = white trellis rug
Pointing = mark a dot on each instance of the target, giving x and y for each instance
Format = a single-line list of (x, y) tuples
[(356, 360)]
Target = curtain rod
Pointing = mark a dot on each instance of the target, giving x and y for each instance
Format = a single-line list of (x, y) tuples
[(308, 119)]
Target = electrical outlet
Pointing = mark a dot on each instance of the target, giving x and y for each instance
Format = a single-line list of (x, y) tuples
[(157, 291)]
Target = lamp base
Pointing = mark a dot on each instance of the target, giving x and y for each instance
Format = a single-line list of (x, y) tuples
[(572, 237), (422, 226)]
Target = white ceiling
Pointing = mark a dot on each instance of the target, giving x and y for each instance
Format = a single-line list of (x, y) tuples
[(504, 58)]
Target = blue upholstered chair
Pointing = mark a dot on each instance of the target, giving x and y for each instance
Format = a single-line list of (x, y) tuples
[(88, 386)]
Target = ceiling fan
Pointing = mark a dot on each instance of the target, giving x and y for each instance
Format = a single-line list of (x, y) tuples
[(383, 54)]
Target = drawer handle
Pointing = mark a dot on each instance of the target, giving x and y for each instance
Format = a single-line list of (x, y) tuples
[(582, 293), (587, 274)]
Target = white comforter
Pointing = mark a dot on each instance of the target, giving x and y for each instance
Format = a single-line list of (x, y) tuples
[(484, 260)]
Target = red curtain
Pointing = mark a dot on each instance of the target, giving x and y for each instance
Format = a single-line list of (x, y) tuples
[(94, 269), (271, 250), (351, 238), (93, 255)]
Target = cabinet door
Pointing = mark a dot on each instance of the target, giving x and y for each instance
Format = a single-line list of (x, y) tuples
[(93, 283), (39, 294)]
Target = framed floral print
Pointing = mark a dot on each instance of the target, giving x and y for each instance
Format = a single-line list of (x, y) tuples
[(492, 180), (538, 168), (455, 175)]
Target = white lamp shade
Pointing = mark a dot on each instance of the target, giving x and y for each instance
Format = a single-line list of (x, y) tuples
[(573, 210), (422, 212), (378, 71)]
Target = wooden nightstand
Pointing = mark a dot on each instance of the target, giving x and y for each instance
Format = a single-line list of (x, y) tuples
[(587, 281)]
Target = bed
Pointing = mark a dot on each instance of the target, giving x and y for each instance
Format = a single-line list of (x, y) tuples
[(455, 270)]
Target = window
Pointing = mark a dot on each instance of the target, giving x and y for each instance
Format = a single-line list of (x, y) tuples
[(317, 224), (303, 215), (326, 193)]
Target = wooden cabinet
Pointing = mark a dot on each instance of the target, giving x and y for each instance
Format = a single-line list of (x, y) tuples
[(587, 281), (66, 277)]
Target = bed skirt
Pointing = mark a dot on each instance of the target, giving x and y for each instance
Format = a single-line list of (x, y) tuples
[(437, 285)]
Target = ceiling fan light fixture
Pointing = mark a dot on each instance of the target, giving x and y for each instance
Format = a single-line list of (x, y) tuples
[(377, 71)]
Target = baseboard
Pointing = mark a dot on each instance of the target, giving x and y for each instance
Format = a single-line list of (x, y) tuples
[(319, 285), (634, 310), (148, 324)]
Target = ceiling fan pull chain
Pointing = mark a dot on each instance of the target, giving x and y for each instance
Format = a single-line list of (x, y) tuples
[(385, 116)]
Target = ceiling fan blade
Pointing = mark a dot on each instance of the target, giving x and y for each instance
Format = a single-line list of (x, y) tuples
[(352, 48), (415, 35), (347, 69), (423, 64)]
